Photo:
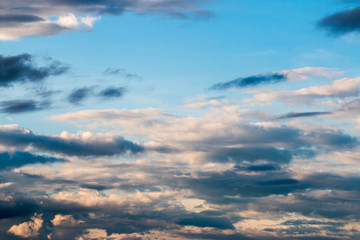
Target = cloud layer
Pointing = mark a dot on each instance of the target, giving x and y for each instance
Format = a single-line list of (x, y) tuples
[(46, 18)]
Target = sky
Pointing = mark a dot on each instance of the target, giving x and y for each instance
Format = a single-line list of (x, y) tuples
[(179, 119)]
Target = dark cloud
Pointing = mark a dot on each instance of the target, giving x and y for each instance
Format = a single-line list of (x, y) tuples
[(302, 114), (6, 19), (262, 168), (17, 207), (206, 221), (287, 181), (218, 187), (332, 139), (22, 69), (112, 92), (251, 81), (74, 147), (19, 159), (22, 106), (342, 22), (252, 154), (24, 18), (94, 186), (78, 95)]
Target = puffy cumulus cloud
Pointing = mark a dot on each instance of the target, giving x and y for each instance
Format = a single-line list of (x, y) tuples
[(280, 76), (221, 131), (28, 229), (46, 18), (82, 144), (228, 176), (65, 220)]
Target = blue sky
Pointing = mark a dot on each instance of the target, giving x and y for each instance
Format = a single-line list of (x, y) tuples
[(179, 119)]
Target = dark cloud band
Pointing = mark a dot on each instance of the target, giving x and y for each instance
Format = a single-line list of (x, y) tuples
[(342, 22), (250, 81)]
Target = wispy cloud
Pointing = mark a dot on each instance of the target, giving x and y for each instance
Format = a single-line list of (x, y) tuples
[(299, 74), (23, 106)]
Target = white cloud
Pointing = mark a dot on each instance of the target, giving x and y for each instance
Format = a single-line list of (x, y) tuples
[(89, 21), (205, 104), (345, 87), (28, 229), (69, 21), (306, 73), (65, 220)]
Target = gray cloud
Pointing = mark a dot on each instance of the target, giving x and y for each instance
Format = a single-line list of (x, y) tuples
[(302, 114), (19, 159), (342, 22), (18, 18), (206, 221), (22, 106), (251, 81), (22, 69), (74, 147), (112, 92), (78, 95), (252, 154)]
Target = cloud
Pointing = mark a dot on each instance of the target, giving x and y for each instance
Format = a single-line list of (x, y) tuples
[(231, 177), (206, 221), (275, 77), (112, 92), (22, 69), (252, 154), (127, 118), (23, 106), (224, 133), (83, 144), (302, 114), (20, 207), (78, 95), (81, 94), (65, 220), (342, 22), (262, 167), (28, 229), (13, 18), (46, 18), (206, 104), (19, 159), (342, 88), (250, 81), (122, 72)]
